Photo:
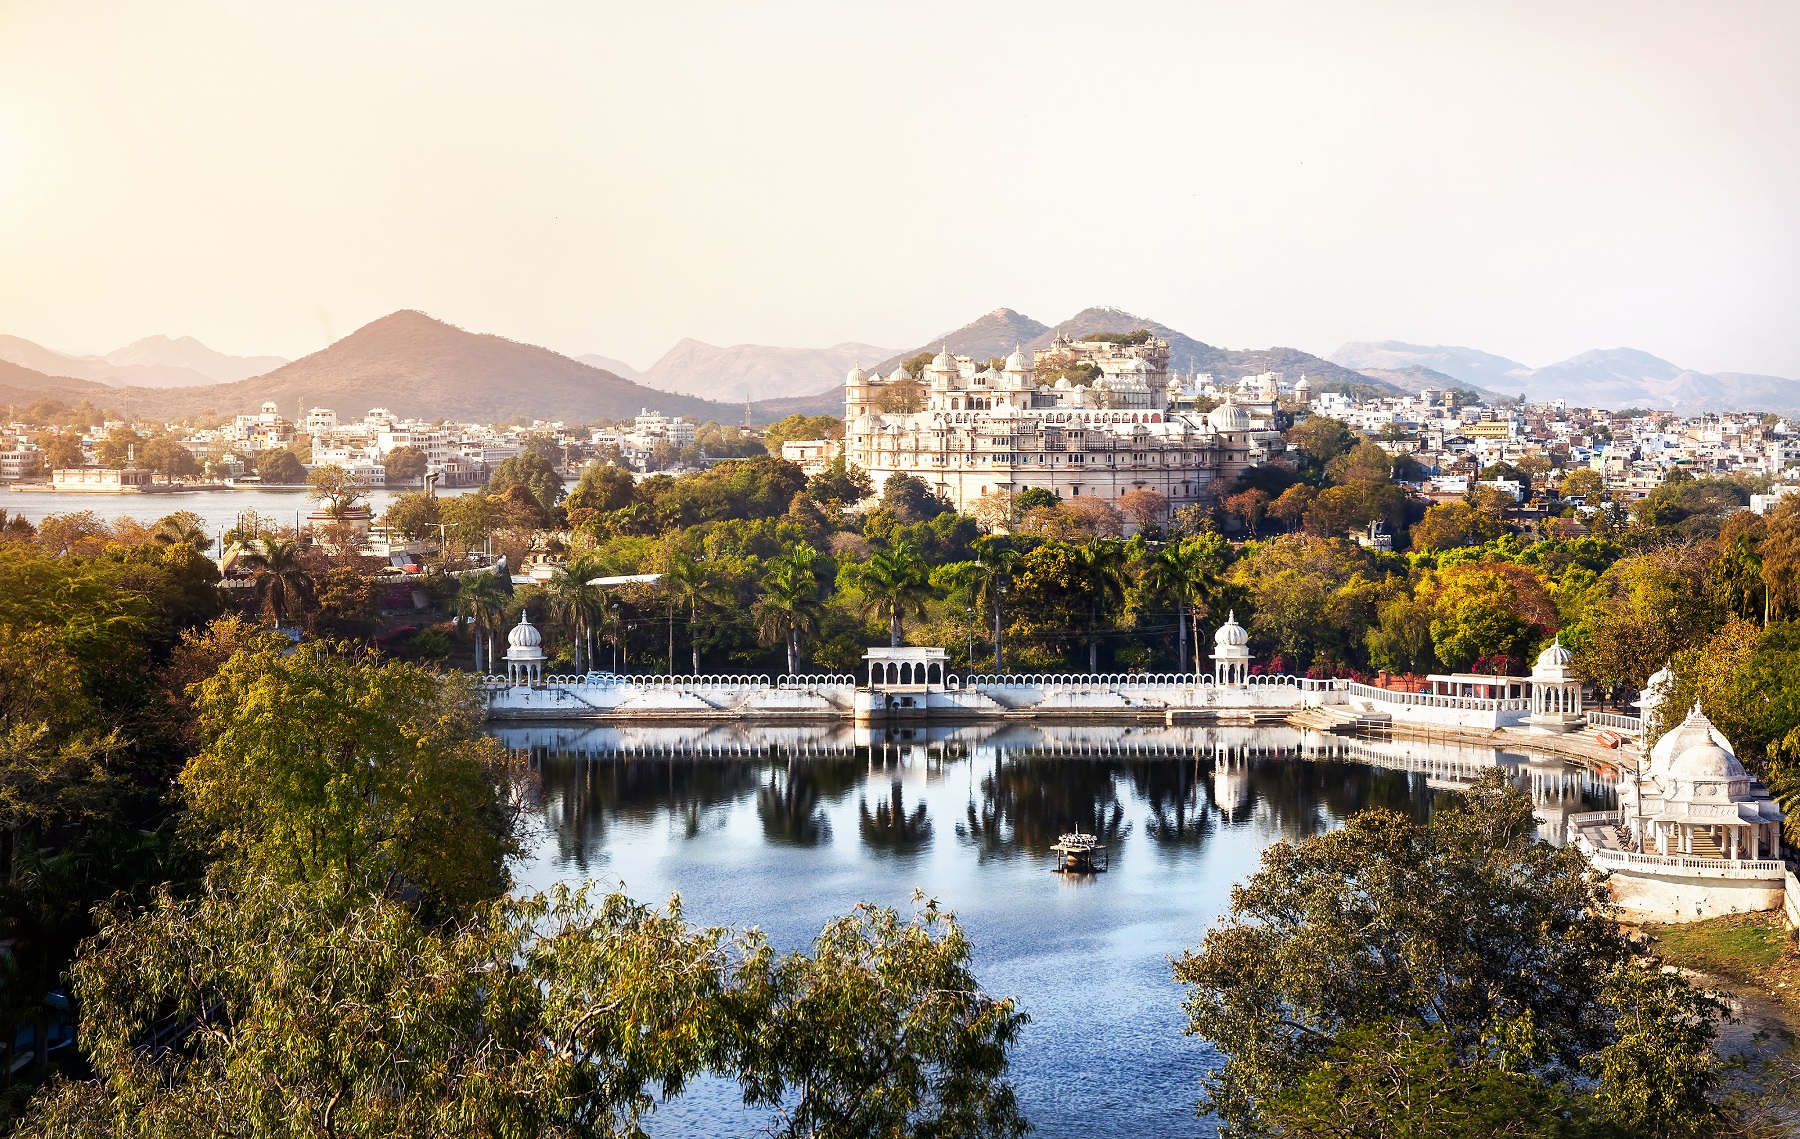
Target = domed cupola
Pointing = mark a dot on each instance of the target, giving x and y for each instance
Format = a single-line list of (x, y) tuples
[(1016, 362), (1228, 418), (1555, 656), (524, 652), (856, 375), (1231, 652)]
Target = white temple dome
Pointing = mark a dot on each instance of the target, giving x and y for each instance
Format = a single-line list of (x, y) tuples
[(1555, 656), (942, 360), (1231, 634), (1708, 761), (524, 642), (1304, 387), (1016, 362), (856, 376), (1227, 417), (1693, 732)]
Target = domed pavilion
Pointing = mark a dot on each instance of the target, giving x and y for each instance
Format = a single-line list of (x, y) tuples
[(1231, 652), (525, 652), (1694, 798)]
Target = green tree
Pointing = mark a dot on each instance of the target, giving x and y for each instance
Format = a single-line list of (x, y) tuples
[(337, 489), (689, 583), (996, 564), (1185, 574), (183, 528), (1449, 525), (344, 772), (893, 584), (1464, 943), (799, 426), (280, 466), (481, 599), (840, 485), (470, 519), (62, 451), (882, 1030), (165, 455), (414, 516), (1103, 567), (789, 608), (117, 449), (403, 465), (532, 471), (284, 584)]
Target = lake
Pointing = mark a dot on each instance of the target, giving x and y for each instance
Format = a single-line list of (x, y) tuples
[(783, 828), (218, 509)]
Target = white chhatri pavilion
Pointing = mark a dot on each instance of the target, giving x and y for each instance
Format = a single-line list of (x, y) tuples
[(1694, 798), (1231, 652), (1555, 691), (525, 652)]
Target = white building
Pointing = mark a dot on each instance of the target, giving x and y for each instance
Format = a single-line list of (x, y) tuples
[(1102, 427)]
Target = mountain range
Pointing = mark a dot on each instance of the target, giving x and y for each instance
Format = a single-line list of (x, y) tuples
[(416, 365), (1604, 377), (757, 371), (153, 362)]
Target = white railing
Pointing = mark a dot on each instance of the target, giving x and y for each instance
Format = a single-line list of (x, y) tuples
[(1632, 859), (1435, 700), (1112, 681), (1615, 721), (1596, 819), (823, 680)]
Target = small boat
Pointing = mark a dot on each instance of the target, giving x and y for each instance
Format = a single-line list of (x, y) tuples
[(1079, 853), (1610, 739)]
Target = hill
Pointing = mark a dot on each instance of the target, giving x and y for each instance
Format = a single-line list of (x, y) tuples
[(416, 366), (153, 362), (696, 368), (1601, 377), (190, 355), (1472, 366), (1416, 378), (608, 364), (995, 334)]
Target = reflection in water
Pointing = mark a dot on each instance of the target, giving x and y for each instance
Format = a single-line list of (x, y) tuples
[(783, 828), (890, 827)]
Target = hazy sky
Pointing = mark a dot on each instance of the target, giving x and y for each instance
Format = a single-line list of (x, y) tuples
[(1533, 179)]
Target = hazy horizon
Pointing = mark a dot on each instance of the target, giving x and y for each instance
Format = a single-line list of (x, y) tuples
[(1534, 180)]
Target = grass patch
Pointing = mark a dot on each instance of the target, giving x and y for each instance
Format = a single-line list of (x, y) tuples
[(1753, 949)]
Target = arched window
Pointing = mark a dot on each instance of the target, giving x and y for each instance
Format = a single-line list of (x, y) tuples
[(893, 673), (906, 673)]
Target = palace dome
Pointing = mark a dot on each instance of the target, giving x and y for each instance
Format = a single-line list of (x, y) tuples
[(856, 376), (943, 360), (1304, 387), (1694, 732), (1708, 761), (1228, 417), (1016, 362), (1555, 656), (524, 642), (1231, 634)]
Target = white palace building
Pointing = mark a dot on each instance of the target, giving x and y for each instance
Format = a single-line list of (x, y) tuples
[(1103, 426)]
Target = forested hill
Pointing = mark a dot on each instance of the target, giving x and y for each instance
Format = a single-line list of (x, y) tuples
[(416, 366), (998, 332)]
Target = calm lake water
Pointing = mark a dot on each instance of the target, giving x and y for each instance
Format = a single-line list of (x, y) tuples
[(218, 509), (782, 828)]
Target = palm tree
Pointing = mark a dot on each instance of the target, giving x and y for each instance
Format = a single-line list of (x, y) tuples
[(998, 563), (894, 583), (483, 600), (284, 587), (1103, 567), (181, 529), (789, 607), (575, 603), (1177, 573), (689, 582)]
